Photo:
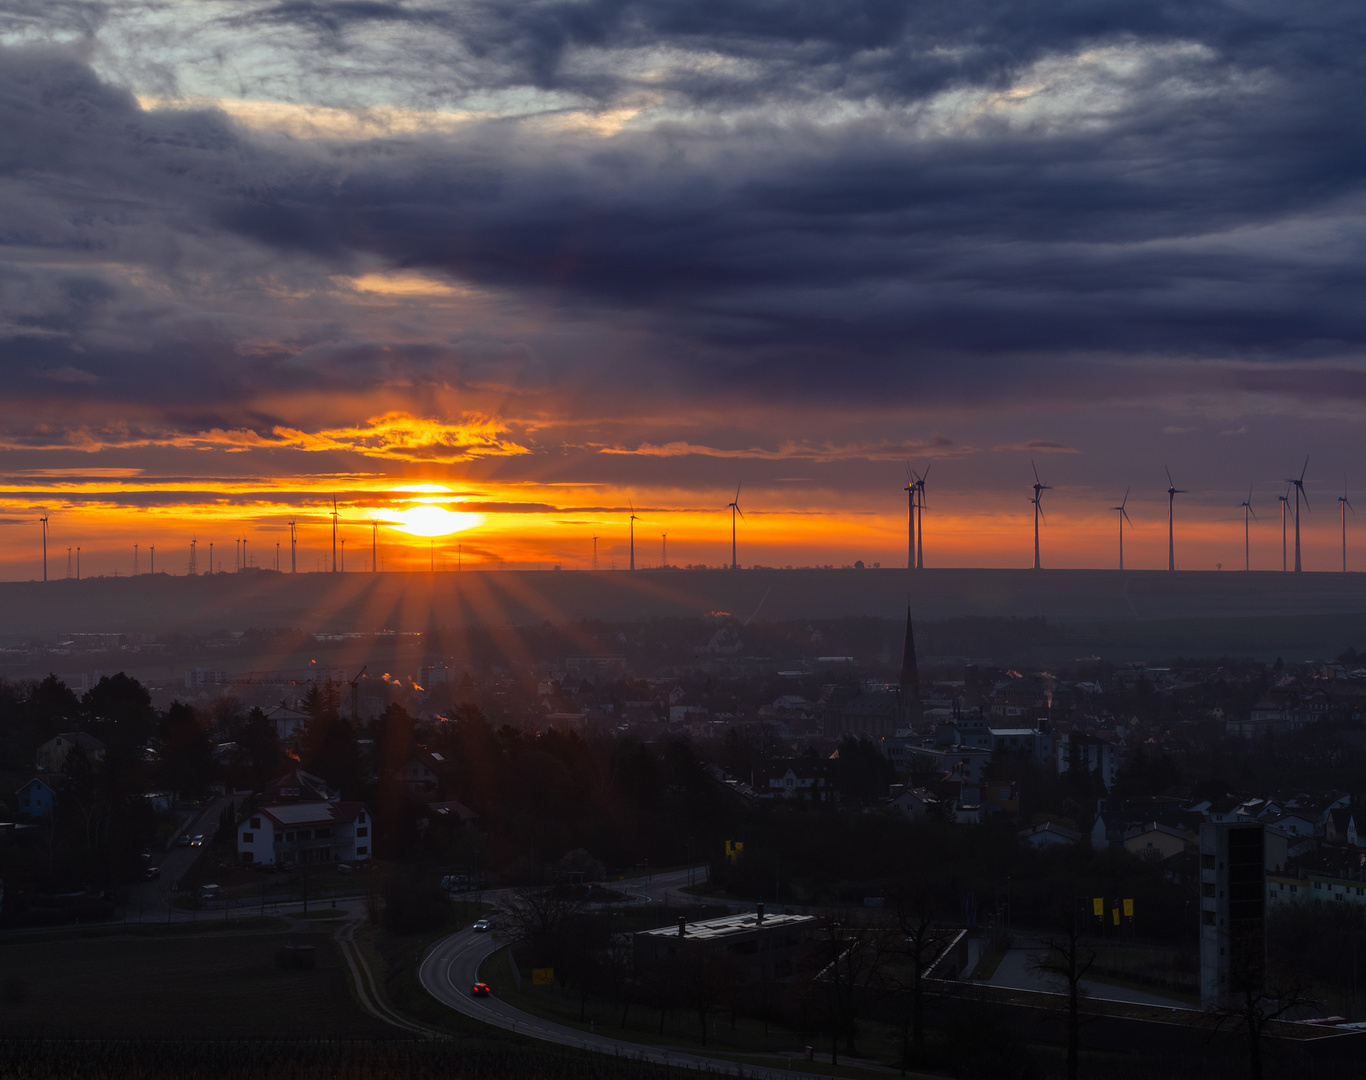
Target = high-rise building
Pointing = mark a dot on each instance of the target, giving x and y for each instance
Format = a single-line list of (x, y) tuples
[(1232, 911)]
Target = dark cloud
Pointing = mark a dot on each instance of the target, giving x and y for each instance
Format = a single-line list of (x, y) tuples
[(849, 233)]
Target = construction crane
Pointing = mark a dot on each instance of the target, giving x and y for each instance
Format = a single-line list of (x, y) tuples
[(355, 695)]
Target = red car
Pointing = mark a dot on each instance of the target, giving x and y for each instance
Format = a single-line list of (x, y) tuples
[(480, 990)]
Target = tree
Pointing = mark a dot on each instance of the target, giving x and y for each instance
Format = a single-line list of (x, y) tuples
[(539, 918), (1069, 957), (187, 763), (1256, 997), (916, 910), (259, 750), (848, 958)]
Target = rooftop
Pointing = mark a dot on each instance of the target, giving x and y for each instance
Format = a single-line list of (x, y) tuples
[(728, 925)]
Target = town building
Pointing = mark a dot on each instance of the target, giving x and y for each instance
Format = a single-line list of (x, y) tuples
[(36, 799), (305, 833), (1232, 910), (753, 947)]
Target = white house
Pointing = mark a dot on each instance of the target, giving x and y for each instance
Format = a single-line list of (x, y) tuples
[(36, 799), (305, 833)]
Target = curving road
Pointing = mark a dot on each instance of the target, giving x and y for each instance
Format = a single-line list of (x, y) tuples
[(451, 967)]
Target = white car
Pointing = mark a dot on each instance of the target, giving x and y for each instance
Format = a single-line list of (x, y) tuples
[(483, 926)]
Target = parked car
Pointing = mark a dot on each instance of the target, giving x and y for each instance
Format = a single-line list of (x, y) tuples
[(480, 990), (265, 867), (184, 840), (152, 873)]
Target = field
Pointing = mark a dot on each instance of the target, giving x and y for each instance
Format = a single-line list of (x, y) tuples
[(183, 985)]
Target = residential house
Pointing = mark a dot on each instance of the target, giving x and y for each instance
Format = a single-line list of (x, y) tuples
[(1341, 828), (299, 786), (1090, 752), (289, 724), (36, 799), (1156, 841), (305, 833), (51, 756), (1048, 835), (801, 779), (916, 803)]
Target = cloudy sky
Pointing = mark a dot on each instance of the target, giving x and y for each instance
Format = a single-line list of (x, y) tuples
[(503, 269)]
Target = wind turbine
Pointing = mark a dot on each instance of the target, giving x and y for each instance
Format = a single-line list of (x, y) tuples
[(1039, 489), (1344, 506), (1248, 512), (910, 490), (1285, 502), (633, 532), (374, 546), (1172, 492), (334, 534), (1123, 517), (1299, 490), (293, 547), (734, 509), (920, 522), (43, 519)]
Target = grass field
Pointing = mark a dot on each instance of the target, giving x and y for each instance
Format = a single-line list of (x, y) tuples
[(188, 986)]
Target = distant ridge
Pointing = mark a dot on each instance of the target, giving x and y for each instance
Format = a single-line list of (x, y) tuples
[(419, 601)]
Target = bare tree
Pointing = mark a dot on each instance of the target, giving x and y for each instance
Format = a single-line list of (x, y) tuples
[(914, 913), (849, 957), (1255, 1000), (1070, 957), (539, 919)]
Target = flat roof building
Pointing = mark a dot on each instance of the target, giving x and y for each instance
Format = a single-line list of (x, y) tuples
[(758, 946)]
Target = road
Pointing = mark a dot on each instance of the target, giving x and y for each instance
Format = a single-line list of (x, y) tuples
[(151, 896), (451, 967)]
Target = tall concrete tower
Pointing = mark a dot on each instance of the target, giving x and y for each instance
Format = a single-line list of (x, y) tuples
[(1232, 910)]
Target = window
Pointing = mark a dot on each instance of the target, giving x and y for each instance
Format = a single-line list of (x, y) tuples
[(361, 816), (289, 838), (322, 834), (255, 823), (248, 838), (362, 851), (1207, 889), (1206, 862), (362, 831), (1207, 917)]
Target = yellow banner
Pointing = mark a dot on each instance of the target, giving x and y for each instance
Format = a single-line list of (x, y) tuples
[(1098, 905), (1115, 913), (542, 976), (1128, 909)]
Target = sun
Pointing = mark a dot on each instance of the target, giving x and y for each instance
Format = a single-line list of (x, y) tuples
[(427, 520)]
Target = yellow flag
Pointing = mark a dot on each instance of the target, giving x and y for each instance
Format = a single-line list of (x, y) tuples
[(1115, 912), (1128, 909), (1098, 905)]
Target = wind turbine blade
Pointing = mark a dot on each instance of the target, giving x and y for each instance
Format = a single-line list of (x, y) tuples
[(741, 513), (1042, 517), (927, 472), (1170, 481), (1125, 501), (737, 492), (1036, 470), (1305, 469), (1126, 515)]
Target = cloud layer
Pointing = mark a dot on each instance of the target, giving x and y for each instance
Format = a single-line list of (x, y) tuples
[(559, 241)]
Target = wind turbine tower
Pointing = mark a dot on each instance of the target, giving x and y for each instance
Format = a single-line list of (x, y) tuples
[(633, 532), (595, 553), (910, 490), (1172, 492), (1299, 490), (1039, 489), (1344, 506), (734, 507), (663, 549), (293, 542), (334, 534), (1285, 502), (374, 546), (1123, 517), (1248, 513), (43, 519), (194, 558), (920, 519)]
